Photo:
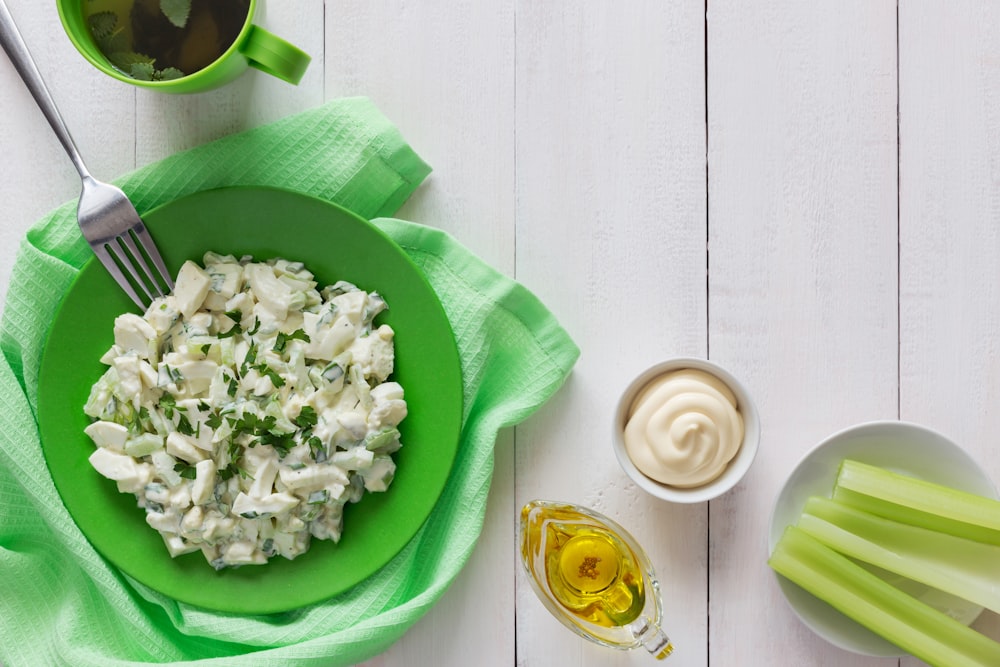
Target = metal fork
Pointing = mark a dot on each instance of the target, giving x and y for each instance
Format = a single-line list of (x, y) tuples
[(107, 218)]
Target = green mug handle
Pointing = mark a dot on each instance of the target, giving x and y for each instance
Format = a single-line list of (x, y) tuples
[(269, 53)]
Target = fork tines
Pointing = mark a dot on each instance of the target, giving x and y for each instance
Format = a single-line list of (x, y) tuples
[(122, 252)]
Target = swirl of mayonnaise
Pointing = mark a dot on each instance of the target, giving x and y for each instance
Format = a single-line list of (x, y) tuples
[(684, 428)]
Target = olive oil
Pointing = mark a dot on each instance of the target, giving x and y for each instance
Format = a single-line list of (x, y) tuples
[(590, 573), (593, 574)]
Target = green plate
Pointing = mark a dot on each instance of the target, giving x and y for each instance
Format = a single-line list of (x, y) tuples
[(335, 245)]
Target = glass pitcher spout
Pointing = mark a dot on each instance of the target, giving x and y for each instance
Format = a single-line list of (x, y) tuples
[(593, 576)]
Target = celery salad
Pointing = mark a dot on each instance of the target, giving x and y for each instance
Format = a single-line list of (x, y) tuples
[(246, 409)]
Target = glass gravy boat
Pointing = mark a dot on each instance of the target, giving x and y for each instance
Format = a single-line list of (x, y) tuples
[(593, 576)]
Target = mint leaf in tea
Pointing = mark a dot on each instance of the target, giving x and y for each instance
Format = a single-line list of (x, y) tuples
[(158, 40), (176, 11)]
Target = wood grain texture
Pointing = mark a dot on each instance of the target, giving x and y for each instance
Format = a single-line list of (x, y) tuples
[(443, 72), (949, 241), (802, 271), (611, 234)]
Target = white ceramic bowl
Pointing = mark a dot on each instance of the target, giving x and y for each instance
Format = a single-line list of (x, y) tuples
[(736, 469), (900, 446)]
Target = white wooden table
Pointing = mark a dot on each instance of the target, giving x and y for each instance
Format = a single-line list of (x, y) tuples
[(805, 192)]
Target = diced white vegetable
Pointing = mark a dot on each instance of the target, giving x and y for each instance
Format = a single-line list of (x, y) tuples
[(312, 477), (180, 496), (355, 458), (214, 302), (374, 353), (197, 375), (113, 465), (184, 447), (216, 525), (164, 464), (165, 523), (329, 525), (162, 314), (263, 482), (284, 544), (387, 391), (147, 375), (380, 474), (354, 422), (134, 335), (275, 503), (289, 523), (143, 473), (176, 545), (193, 520), (191, 288), (327, 342), (129, 382), (386, 414), (199, 324), (107, 434), (226, 277), (108, 358), (270, 291), (243, 553), (204, 482), (351, 304)]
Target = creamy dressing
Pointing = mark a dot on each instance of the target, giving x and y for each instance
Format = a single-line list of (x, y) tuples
[(683, 428), (246, 409)]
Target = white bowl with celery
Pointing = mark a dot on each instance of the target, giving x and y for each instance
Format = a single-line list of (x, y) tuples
[(886, 542)]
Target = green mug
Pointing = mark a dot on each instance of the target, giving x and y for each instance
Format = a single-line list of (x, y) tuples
[(252, 47)]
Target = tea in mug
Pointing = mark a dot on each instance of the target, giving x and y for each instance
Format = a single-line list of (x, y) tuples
[(158, 40)]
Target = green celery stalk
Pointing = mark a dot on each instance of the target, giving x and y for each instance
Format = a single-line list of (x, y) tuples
[(918, 502), (915, 627), (967, 569)]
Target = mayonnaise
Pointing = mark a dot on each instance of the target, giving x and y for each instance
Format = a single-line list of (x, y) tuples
[(683, 428)]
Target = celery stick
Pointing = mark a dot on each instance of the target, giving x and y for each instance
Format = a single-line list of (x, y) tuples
[(915, 627), (913, 517), (918, 502), (967, 569)]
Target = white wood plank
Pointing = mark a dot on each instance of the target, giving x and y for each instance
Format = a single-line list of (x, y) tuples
[(443, 73), (949, 240), (802, 271), (611, 235), (38, 175)]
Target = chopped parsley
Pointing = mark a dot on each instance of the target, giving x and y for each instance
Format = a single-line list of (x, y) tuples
[(236, 316), (184, 425), (250, 359), (282, 340), (168, 404), (307, 417), (185, 470)]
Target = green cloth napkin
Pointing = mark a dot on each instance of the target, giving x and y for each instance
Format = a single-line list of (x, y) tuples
[(62, 604)]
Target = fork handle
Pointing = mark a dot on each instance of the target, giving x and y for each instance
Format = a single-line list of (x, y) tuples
[(17, 51)]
